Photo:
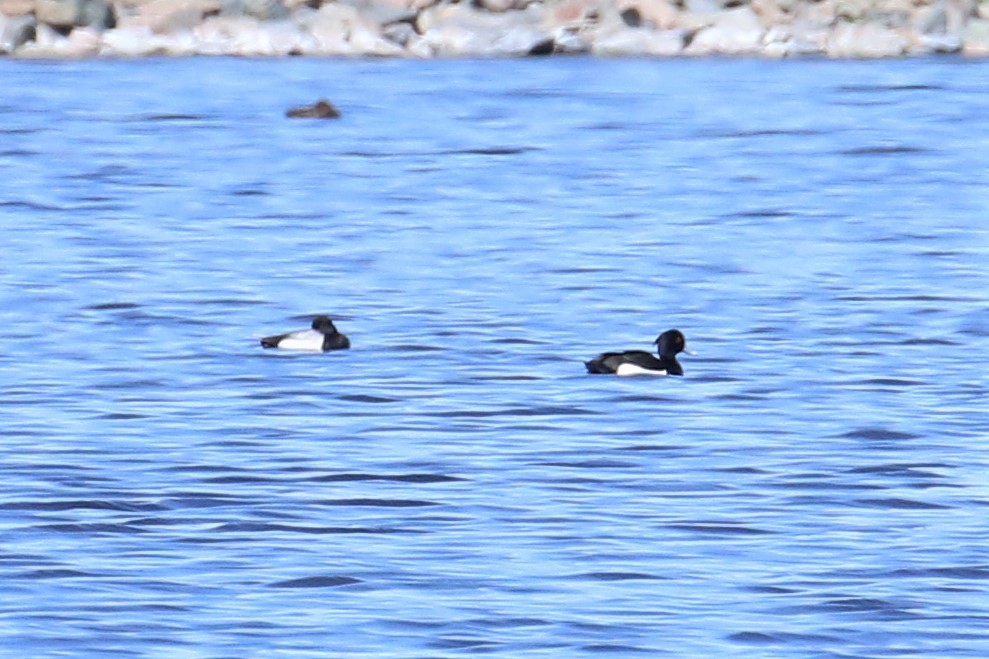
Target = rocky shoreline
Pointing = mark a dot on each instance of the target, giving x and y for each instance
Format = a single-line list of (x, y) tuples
[(493, 28)]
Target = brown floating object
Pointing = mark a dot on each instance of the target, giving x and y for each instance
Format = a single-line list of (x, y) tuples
[(322, 109)]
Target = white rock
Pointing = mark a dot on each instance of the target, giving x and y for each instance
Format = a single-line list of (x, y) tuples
[(866, 40), (819, 15), (702, 6), (225, 35), (81, 42), (329, 28), (339, 29), (419, 48), (928, 44), (366, 39), (128, 41), (788, 40), (460, 31), (639, 41), (734, 32), (168, 16), (975, 39), (776, 49)]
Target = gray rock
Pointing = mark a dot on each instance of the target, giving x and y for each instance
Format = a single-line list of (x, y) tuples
[(943, 17), (702, 6), (499, 6), (263, 10), (975, 38), (401, 33), (66, 14), (15, 31), (632, 17), (60, 13)]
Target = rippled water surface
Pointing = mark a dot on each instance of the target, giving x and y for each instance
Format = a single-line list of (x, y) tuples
[(815, 486)]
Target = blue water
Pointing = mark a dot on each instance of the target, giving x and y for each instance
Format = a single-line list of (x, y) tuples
[(455, 484)]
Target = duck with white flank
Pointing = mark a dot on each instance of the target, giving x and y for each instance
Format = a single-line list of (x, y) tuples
[(322, 337), (639, 362)]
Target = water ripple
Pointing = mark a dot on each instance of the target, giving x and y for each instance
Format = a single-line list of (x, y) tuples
[(455, 483)]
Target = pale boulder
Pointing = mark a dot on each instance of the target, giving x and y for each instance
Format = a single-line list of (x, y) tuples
[(975, 38), (383, 12), (866, 40), (576, 14), (639, 41), (418, 48), (733, 32), (70, 13), (816, 15), (225, 35), (278, 39), (249, 37), (338, 29), (11, 8), (133, 41), (702, 6), (461, 31), (936, 44), (169, 16), (853, 10), (366, 39), (794, 40), (84, 42)]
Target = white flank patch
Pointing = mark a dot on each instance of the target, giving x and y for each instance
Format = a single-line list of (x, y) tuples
[(309, 340), (627, 369)]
